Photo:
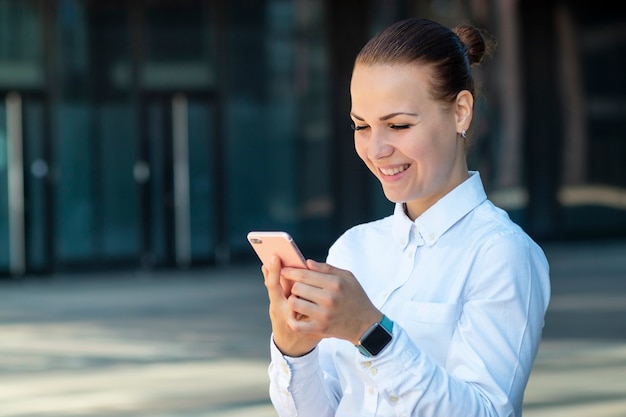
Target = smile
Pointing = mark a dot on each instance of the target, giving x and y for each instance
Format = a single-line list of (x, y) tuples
[(394, 171)]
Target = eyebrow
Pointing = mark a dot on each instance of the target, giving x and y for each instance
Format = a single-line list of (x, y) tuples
[(387, 117)]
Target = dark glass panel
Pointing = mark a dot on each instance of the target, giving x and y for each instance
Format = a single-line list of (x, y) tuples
[(4, 192)]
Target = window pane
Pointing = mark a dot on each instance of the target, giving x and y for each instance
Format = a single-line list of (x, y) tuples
[(74, 188), (4, 190), (177, 46), (593, 189), (20, 44), (277, 122), (36, 173), (202, 183), (119, 199)]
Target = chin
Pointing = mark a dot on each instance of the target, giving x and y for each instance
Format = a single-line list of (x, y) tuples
[(395, 198)]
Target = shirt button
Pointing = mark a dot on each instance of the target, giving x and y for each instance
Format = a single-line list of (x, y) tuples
[(373, 371), (430, 236), (367, 364), (393, 399), (285, 368), (285, 393), (370, 390)]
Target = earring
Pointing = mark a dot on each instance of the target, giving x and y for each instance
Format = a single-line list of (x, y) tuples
[(463, 134)]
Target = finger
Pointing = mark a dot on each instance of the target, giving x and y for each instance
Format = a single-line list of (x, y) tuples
[(311, 293), (328, 269), (271, 273), (305, 276), (300, 319), (316, 274)]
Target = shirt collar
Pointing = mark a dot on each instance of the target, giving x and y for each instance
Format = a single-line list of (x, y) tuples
[(441, 216)]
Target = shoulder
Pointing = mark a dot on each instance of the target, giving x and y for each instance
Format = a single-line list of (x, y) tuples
[(506, 261), (501, 237), (488, 231), (493, 223)]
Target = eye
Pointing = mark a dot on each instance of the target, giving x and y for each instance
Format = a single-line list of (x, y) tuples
[(356, 127), (399, 127)]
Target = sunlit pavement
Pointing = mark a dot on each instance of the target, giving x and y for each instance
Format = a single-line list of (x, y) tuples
[(579, 379), (195, 343), (580, 370), (185, 344)]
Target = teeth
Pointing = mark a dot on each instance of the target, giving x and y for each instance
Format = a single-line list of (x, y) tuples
[(394, 171)]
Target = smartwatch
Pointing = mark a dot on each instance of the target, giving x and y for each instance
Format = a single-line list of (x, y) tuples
[(376, 338)]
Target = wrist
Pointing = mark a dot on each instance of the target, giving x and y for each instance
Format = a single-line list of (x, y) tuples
[(365, 324), (294, 350)]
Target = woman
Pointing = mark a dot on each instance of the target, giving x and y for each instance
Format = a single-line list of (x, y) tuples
[(436, 310)]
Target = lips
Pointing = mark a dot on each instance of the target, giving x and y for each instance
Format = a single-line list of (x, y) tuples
[(394, 171)]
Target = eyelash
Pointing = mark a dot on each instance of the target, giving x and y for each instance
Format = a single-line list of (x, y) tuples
[(356, 128)]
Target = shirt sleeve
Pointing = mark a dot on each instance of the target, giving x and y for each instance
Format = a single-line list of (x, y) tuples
[(300, 386), (492, 350)]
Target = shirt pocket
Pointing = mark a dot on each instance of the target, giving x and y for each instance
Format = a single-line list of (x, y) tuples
[(431, 326)]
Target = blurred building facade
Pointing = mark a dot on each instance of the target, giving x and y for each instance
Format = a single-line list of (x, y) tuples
[(157, 133)]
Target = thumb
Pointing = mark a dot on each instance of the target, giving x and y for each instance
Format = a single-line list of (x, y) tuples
[(271, 273)]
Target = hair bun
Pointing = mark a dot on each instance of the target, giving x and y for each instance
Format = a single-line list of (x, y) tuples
[(477, 42)]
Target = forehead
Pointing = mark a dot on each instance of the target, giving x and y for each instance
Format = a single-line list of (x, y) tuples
[(389, 85)]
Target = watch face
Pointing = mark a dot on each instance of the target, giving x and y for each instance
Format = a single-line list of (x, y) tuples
[(376, 341)]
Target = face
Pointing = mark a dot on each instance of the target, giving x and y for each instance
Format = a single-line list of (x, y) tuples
[(409, 141)]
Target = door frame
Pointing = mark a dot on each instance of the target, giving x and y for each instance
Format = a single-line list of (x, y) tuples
[(176, 179), (21, 176)]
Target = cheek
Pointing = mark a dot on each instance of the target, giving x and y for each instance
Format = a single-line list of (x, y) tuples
[(418, 150), (426, 148)]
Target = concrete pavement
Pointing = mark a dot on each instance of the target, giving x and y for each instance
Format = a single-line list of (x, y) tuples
[(194, 343), (185, 344), (580, 369)]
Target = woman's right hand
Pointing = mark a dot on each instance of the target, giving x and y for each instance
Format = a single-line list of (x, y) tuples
[(286, 340)]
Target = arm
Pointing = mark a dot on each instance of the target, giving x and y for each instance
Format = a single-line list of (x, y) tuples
[(301, 386), (324, 302), (298, 383)]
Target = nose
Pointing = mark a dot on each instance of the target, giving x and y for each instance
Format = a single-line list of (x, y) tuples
[(379, 146)]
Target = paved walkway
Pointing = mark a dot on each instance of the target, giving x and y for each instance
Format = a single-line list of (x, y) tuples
[(184, 344), (194, 343), (580, 370)]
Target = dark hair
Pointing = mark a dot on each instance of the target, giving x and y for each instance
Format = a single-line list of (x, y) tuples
[(450, 52)]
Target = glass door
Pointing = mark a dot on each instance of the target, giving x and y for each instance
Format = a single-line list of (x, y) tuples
[(24, 194), (24, 190), (178, 174), (12, 245)]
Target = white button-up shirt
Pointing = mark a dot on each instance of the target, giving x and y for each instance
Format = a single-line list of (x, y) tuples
[(467, 291)]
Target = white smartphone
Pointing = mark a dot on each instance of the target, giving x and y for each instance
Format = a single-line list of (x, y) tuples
[(266, 244)]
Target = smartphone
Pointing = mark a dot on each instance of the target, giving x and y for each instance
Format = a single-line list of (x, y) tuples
[(266, 244)]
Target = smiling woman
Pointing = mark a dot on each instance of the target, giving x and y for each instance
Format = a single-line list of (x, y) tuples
[(437, 309), (408, 140)]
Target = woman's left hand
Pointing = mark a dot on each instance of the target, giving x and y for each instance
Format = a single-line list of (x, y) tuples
[(330, 302)]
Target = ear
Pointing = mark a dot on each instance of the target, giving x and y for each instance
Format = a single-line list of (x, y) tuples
[(463, 110)]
